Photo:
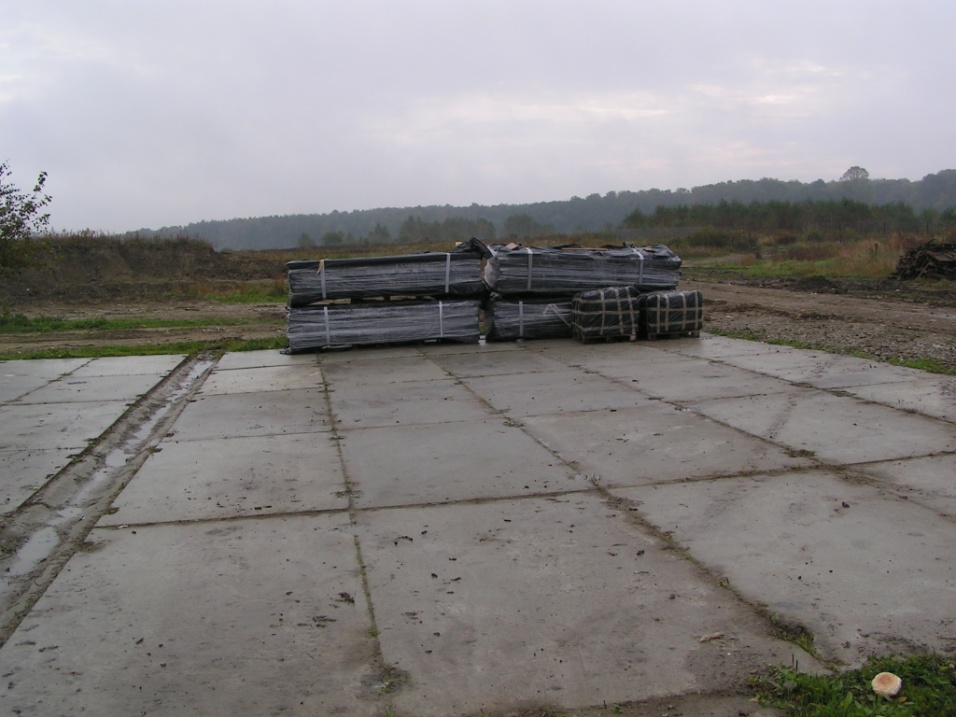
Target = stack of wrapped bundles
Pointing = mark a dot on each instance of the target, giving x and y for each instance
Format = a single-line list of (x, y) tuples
[(347, 302), (606, 313), (671, 313), (455, 273), (558, 271), (528, 318), (383, 322)]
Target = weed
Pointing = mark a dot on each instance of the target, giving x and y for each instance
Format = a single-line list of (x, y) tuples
[(187, 347), (929, 690), (20, 324)]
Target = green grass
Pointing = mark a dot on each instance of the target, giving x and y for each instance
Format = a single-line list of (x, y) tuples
[(929, 690), (20, 324), (187, 347)]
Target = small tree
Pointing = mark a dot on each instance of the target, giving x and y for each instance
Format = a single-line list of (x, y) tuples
[(20, 217), (854, 173)]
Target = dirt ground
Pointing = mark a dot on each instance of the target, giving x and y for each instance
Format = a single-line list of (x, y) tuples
[(885, 319)]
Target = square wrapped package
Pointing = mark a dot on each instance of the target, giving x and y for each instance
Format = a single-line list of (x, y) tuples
[(608, 313), (670, 313)]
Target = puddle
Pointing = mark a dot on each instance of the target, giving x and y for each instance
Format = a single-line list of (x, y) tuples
[(37, 549)]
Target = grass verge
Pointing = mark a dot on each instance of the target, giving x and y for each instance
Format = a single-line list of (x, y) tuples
[(929, 690), (20, 324), (188, 347)]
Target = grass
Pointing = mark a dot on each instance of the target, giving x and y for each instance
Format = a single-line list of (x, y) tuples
[(187, 347), (20, 324), (929, 690)]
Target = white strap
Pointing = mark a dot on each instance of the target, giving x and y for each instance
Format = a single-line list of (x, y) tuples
[(530, 263), (447, 270), (328, 333), (322, 275), (520, 319), (441, 320)]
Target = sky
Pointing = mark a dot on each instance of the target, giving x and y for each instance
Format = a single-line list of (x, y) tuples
[(153, 113)]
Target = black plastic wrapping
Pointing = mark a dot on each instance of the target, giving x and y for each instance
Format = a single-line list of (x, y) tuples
[(566, 271), (382, 322), (456, 273), (671, 312), (528, 318), (606, 313)]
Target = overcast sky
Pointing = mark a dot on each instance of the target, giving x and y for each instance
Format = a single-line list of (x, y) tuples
[(155, 113)]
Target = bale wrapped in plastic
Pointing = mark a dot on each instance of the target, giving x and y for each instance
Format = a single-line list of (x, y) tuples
[(671, 313), (569, 270), (455, 273), (606, 313), (382, 322), (528, 318)]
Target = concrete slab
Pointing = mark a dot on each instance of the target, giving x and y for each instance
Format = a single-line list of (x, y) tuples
[(233, 477), (264, 378), (466, 460), (23, 472), (48, 369), (367, 352), (412, 402), (49, 425), (13, 386), (930, 395), (256, 359), (837, 429), (823, 370), (931, 481), (575, 353), (716, 348), (254, 414), (682, 380), (243, 617), (655, 443), (864, 572), (127, 388), (129, 365), (535, 394), (451, 348), (547, 601), (360, 371), (497, 363)]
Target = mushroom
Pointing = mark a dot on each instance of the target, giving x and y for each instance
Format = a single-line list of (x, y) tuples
[(886, 684)]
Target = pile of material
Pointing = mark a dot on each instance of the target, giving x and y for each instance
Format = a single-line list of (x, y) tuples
[(525, 292), (929, 261), (350, 302)]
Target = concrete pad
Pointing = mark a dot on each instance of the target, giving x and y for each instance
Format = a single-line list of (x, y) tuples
[(467, 460), (451, 348), (547, 601), (497, 363), (823, 370), (129, 365), (13, 386), (264, 378), (866, 573), (23, 472), (535, 394), (370, 371), (576, 353), (127, 388), (48, 369), (233, 477), (367, 352), (413, 402), (254, 414), (836, 429), (655, 443), (931, 481), (265, 357), (930, 395), (234, 618), (49, 425), (683, 379), (717, 348)]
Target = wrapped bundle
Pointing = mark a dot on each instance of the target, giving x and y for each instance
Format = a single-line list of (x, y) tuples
[(671, 312), (382, 322), (566, 271), (605, 313), (529, 318), (455, 273)]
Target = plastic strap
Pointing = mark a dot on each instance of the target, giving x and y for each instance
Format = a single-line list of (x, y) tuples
[(322, 279), (447, 270), (640, 266), (530, 263), (553, 309), (328, 332), (441, 320), (520, 319)]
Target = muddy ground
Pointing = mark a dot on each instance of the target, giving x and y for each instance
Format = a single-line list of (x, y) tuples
[(885, 319)]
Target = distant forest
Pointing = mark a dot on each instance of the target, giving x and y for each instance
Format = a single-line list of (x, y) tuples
[(854, 201)]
